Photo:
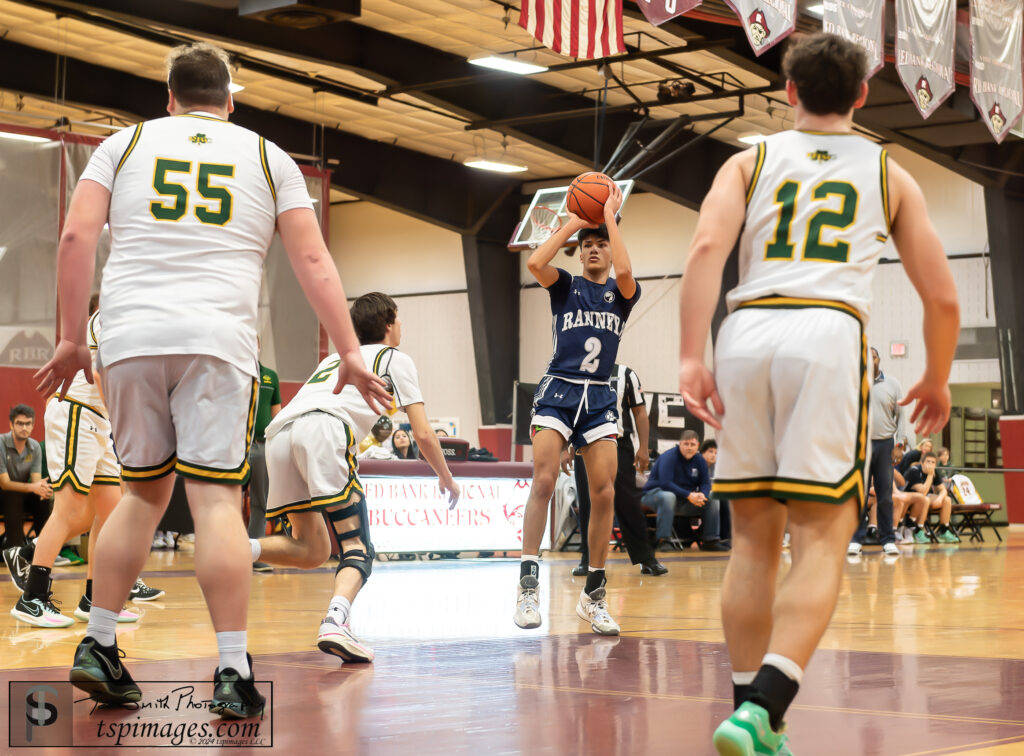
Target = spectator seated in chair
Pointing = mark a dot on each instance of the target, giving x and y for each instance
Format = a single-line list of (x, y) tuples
[(22, 488), (925, 479), (681, 484)]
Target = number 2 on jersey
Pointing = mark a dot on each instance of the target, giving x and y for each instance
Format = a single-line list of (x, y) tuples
[(781, 246), (217, 213), (593, 347)]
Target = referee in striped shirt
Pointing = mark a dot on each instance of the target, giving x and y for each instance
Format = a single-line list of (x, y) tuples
[(633, 457)]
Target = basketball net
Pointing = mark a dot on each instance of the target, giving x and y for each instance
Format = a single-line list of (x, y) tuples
[(543, 222)]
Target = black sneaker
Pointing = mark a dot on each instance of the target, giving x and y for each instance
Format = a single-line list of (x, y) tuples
[(40, 611), (99, 672), (580, 570), (871, 535), (142, 592), (235, 697), (262, 567), (18, 566), (654, 567)]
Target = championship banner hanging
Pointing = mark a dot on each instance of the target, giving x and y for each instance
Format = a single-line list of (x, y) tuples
[(766, 22), (861, 22), (660, 11), (996, 82), (925, 44)]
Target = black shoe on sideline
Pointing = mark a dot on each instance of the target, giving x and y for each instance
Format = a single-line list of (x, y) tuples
[(580, 570), (235, 697), (715, 545), (653, 567), (99, 672), (18, 566)]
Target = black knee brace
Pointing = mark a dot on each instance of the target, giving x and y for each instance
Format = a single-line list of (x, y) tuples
[(359, 559)]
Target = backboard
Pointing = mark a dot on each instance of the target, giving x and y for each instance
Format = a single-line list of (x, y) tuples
[(546, 215)]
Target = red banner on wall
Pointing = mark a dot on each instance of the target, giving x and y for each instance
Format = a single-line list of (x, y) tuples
[(925, 45)]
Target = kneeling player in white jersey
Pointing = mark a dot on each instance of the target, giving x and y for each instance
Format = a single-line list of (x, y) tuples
[(86, 479), (815, 206), (312, 468)]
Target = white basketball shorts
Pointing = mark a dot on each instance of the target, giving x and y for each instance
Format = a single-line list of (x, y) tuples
[(190, 413), (311, 466), (79, 451), (793, 377)]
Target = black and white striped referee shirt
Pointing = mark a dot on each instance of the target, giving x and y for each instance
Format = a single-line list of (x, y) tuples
[(626, 385)]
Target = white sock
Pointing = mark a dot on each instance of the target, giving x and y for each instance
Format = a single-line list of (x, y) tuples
[(743, 678), (231, 646), (339, 609), (529, 558), (788, 667), (256, 548), (101, 625)]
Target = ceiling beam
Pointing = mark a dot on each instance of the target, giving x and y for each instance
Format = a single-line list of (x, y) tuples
[(433, 189)]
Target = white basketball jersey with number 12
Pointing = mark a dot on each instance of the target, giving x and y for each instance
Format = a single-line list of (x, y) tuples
[(817, 219)]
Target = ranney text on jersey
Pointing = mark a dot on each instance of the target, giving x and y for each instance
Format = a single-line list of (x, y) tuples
[(817, 219)]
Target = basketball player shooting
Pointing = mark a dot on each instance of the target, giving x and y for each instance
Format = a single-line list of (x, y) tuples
[(575, 404)]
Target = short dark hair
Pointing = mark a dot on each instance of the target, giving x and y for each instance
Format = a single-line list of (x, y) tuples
[(827, 71), (689, 435), (198, 74), (926, 455), (371, 315), (709, 443), (21, 410), (94, 303), (601, 232)]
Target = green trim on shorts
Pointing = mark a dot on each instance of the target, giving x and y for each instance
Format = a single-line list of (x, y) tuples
[(152, 472)]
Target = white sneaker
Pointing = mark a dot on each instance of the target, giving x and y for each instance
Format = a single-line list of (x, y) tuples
[(527, 614), (337, 639), (594, 609), (158, 540), (785, 541), (40, 612), (891, 549), (853, 549), (85, 605), (906, 535), (169, 541)]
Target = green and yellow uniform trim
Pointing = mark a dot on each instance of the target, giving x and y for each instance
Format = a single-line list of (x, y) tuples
[(758, 165), (131, 146), (68, 474), (852, 483), (152, 472), (884, 179), (237, 475), (266, 168), (106, 480), (352, 488)]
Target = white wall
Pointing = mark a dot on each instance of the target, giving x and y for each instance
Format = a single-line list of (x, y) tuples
[(377, 249)]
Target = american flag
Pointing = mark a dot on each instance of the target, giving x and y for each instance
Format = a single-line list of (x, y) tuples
[(585, 29)]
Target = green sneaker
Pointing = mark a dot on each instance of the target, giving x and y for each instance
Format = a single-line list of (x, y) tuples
[(748, 733), (921, 537), (71, 555), (948, 536)]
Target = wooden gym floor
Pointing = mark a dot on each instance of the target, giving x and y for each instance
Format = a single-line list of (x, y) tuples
[(925, 655)]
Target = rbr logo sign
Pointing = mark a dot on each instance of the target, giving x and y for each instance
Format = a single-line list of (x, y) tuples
[(45, 708)]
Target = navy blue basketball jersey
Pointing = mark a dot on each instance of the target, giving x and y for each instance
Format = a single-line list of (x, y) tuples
[(588, 319)]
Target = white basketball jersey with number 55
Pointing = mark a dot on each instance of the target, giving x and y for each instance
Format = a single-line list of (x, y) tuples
[(817, 219)]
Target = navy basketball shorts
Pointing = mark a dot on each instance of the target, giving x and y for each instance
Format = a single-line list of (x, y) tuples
[(581, 412)]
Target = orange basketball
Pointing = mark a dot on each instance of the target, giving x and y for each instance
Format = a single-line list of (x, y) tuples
[(587, 194)]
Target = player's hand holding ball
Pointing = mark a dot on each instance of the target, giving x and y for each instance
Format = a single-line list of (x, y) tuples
[(591, 197)]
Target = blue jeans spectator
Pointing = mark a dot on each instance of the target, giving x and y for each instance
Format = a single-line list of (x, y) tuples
[(664, 504)]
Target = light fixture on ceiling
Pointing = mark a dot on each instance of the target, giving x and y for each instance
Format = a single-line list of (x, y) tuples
[(232, 87), (483, 163), (752, 138), (508, 65), (816, 10), (22, 137)]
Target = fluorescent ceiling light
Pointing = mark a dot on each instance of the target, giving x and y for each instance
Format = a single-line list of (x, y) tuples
[(232, 87), (492, 165), (752, 138), (508, 65), (817, 10), (22, 137)]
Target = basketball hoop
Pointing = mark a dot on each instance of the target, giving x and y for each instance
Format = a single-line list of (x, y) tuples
[(543, 223)]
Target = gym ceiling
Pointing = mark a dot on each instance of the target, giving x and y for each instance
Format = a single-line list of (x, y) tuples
[(387, 101)]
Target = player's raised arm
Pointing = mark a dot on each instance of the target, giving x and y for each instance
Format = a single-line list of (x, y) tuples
[(319, 279), (925, 261), (539, 262), (620, 257), (76, 266), (721, 218)]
